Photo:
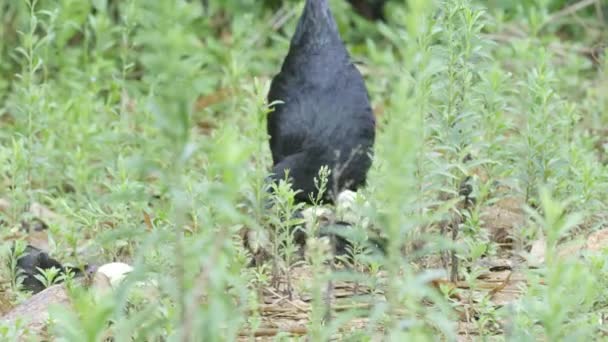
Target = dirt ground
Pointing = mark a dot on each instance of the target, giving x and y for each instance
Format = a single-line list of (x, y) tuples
[(500, 281)]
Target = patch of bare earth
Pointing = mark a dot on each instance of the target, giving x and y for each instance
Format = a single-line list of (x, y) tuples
[(500, 281)]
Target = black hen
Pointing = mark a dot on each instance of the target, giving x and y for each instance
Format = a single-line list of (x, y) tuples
[(32, 261), (369, 9), (325, 117)]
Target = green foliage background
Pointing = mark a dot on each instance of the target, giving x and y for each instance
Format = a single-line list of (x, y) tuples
[(112, 109)]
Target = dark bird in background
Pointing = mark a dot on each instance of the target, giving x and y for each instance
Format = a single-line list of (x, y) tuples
[(30, 264), (369, 9), (325, 117)]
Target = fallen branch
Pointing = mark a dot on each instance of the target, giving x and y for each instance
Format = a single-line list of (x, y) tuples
[(569, 10), (270, 332)]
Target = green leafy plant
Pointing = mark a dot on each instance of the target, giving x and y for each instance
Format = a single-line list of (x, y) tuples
[(142, 125)]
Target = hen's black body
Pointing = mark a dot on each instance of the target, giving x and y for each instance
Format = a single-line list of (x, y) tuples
[(369, 9), (32, 261), (325, 117)]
